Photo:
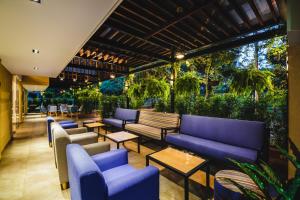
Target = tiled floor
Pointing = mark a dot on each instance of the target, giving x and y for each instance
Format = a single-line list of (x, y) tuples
[(27, 168)]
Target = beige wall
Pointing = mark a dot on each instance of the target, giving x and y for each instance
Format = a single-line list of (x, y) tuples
[(5, 107), (293, 19)]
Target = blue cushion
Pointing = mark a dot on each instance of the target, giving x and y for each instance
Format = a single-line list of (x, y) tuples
[(116, 173), (125, 114), (241, 133), (114, 122), (70, 125), (212, 149), (66, 122)]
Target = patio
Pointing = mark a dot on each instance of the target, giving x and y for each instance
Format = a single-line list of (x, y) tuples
[(150, 100)]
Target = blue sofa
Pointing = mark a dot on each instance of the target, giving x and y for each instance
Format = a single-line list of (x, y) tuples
[(67, 124), (121, 117), (219, 138), (108, 176)]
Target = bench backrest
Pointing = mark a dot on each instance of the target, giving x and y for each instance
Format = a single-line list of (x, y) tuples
[(125, 114), (242, 133), (158, 119)]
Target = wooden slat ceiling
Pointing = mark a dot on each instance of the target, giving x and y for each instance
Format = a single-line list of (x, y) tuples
[(141, 34)]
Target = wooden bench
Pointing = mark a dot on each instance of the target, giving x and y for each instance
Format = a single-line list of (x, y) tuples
[(154, 125)]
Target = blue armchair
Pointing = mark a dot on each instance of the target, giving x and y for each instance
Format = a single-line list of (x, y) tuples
[(67, 124), (108, 176)]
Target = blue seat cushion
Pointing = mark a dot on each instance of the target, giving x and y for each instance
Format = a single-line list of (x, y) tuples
[(66, 122), (114, 122), (69, 125), (212, 149), (116, 173)]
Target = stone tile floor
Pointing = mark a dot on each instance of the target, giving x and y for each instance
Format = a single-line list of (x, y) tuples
[(27, 170)]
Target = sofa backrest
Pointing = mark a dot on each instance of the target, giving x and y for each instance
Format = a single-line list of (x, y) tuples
[(85, 178), (242, 133), (158, 119), (125, 114)]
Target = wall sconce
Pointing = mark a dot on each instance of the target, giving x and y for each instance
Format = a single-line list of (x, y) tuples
[(61, 76), (86, 78), (112, 76), (74, 77)]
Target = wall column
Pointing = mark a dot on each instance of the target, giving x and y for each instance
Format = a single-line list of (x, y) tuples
[(293, 32)]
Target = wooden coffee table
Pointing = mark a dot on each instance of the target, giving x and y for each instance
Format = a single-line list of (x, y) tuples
[(91, 127), (181, 163), (122, 136)]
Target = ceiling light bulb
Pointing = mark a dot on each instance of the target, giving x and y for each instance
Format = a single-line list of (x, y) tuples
[(179, 55)]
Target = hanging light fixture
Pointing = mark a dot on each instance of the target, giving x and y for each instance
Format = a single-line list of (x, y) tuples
[(179, 55)]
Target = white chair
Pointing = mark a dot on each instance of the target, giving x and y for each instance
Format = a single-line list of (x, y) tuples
[(52, 110), (63, 108)]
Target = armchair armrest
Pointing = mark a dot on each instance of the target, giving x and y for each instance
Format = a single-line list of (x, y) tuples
[(141, 184), (73, 131), (111, 159), (84, 138), (128, 121), (96, 148), (173, 129)]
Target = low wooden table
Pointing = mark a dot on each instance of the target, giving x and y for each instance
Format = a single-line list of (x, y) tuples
[(122, 136), (181, 163), (91, 127)]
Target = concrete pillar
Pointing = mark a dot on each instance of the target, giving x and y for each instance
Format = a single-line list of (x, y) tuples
[(293, 32)]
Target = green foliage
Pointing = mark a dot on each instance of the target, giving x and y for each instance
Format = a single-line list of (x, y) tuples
[(263, 176), (113, 87), (277, 51), (246, 81), (109, 103), (155, 88), (188, 84), (151, 87), (88, 97)]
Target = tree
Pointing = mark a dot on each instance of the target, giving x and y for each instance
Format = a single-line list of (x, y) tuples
[(210, 66)]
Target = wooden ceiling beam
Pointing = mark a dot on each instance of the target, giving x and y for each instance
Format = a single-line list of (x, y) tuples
[(274, 16), (175, 21), (239, 11), (125, 29), (104, 42), (256, 12), (227, 17), (213, 21)]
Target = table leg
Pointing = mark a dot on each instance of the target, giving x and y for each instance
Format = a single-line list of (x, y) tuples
[(118, 145), (147, 161), (207, 181), (138, 144), (186, 188)]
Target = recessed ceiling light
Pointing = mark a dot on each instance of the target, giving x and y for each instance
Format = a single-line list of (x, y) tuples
[(36, 1), (36, 68), (36, 51)]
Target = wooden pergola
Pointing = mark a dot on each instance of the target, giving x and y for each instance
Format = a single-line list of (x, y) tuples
[(143, 34)]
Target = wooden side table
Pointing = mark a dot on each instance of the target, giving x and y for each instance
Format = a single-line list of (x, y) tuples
[(181, 163), (91, 127), (122, 136)]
